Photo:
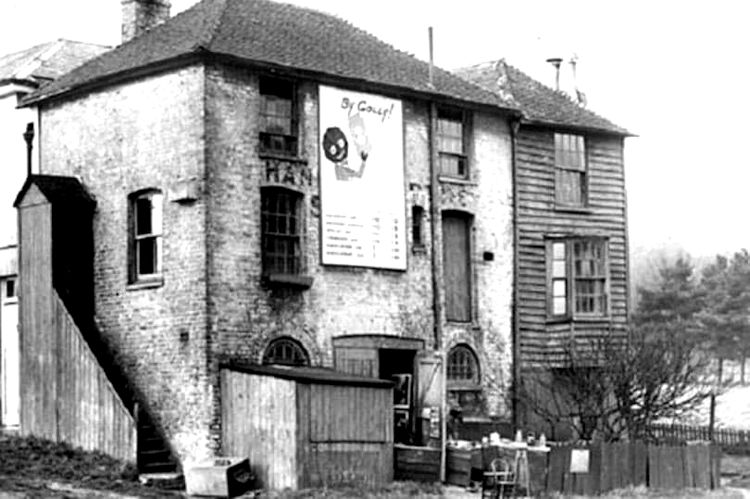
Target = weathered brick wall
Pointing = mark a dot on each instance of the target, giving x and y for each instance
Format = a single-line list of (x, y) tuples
[(488, 196), (146, 134), (245, 314)]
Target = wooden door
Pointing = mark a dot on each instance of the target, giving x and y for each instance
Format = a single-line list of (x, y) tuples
[(356, 360), (457, 266)]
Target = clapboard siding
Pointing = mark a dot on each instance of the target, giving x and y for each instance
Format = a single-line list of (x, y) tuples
[(541, 340)]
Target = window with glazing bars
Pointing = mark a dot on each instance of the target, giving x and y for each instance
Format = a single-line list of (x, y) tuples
[(280, 225), (570, 170), (451, 143), (463, 367), (286, 351), (146, 235), (578, 277), (278, 128)]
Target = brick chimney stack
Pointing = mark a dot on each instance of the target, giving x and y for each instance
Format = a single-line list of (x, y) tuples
[(139, 16)]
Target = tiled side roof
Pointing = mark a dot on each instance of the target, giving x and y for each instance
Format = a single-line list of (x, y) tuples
[(47, 61), (539, 103), (278, 35), (57, 189)]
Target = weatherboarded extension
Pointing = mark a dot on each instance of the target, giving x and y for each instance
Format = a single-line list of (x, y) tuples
[(307, 427)]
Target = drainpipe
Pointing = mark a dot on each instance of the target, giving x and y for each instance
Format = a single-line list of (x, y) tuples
[(514, 126), (437, 270), (28, 136)]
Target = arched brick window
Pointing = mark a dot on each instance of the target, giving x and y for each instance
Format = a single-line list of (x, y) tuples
[(463, 368), (463, 381), (286, 351)]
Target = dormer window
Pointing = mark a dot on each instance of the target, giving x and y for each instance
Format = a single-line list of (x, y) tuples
[(278, 124), (570, 170)]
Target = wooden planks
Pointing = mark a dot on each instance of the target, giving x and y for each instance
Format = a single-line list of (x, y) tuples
[(259, 421), (90, 414), (538, 217), (299, 434), (621, 465)]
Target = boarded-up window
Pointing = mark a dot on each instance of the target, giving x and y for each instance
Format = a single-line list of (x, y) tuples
[(457, 266), (281, 231), (577, 270), (451, 143), (570, 169)]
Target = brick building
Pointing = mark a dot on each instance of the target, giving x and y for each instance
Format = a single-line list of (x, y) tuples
[(274, 185)]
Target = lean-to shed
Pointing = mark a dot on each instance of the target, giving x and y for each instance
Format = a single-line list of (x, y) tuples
[(308, 427)]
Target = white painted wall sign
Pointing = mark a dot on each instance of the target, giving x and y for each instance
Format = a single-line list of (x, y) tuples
[(579, 461), (362, 180)]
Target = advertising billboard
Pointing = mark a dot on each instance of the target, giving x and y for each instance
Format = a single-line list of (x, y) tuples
[(363, 220)]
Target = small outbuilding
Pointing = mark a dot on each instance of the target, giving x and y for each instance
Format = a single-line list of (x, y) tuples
[(308, 427)]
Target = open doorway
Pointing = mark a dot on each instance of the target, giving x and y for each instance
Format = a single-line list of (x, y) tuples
[(397, 365)]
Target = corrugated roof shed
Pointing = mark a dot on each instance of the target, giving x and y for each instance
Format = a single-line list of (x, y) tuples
[(272, 35), (46, 61), (539, 103)]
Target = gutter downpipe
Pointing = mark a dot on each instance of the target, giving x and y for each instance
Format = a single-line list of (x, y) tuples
[(514, 126), (437, 290)]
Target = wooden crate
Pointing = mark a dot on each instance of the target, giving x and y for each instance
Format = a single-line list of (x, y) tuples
[(421, 464)]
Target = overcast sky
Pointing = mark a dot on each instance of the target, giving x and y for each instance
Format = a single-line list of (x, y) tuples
[(674, 73)]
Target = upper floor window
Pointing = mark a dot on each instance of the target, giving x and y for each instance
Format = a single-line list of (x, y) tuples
[(286, 351), (417, 227), (145, 235), (451, 143), (570, 170), (278, 124), (281, 231), (578, 277)]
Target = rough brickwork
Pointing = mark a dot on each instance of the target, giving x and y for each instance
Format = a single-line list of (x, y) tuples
[(201, 123), (146, 134)]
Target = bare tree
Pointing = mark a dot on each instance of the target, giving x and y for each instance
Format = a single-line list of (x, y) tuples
[(614, 389)]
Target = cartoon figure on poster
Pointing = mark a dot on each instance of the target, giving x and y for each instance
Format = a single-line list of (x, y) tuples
[(336, 148)]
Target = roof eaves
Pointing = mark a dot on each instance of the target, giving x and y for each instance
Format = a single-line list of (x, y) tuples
[(618, 131), (156, 67)]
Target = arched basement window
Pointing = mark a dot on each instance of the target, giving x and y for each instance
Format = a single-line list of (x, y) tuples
[(286, 351), (463, 367)]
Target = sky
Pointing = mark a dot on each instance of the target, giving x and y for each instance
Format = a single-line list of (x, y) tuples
[(673, 73)]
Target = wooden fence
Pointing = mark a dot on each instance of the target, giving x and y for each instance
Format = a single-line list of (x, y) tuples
[(679, 433), (603, 467), (84, 410)]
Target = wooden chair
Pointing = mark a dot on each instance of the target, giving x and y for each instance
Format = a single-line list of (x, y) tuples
[(500, 480)]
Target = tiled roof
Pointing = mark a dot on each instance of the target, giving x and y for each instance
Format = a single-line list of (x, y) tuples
[(47, 61), (275, 35), (58, 190), (539, 103)]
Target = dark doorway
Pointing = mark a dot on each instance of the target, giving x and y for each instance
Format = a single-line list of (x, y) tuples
[(398, 366)]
